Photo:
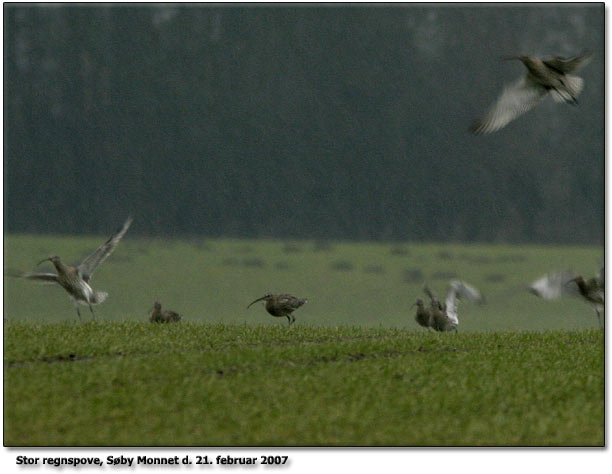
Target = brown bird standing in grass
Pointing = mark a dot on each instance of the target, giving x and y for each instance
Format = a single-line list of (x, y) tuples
[(543, 76), (281, 306), (166, 316), (75, 280)]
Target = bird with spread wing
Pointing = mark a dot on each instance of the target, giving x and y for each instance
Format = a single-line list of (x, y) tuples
[(75, 279), (543, 76)]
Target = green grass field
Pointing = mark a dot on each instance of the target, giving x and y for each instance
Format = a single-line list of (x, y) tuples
[(134, 383), (355, 369)]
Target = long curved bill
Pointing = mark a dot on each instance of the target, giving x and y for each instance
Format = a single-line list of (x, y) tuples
[(258, 299), (43, 260), (573, 280)]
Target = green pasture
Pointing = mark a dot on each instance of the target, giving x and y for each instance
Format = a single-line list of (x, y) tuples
[(366, 284), (135, 383), (355, 369)]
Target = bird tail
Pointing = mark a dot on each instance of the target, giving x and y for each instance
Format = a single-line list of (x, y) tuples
[(573, 87), (99, 297)]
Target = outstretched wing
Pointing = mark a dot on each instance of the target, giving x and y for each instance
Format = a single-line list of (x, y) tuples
[(554, 285), (46, 278), (465, 291), (432, 297), (514, 101), (567, 65), (460, 290), (88, 266)]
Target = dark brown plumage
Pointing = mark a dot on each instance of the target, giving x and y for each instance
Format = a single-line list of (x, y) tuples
[(166, 316), (423, 314), (281, 306)]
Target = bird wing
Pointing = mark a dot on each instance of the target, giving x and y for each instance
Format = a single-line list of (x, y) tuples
[(567, 65), (573, 87), (451, 306), (288, 302), (460, 290), (429, 293), (514, 101), (466, 291), (554, 285), (46, 278), (87, 266)]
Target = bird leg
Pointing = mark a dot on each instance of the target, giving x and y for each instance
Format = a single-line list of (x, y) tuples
[(79, 313), (291, 319), (92, 313)]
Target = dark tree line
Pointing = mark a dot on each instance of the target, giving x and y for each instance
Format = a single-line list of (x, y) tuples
[(311, 122)]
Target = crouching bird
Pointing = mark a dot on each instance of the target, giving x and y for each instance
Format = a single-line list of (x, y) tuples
[(281, 306), (75, 280), (443, 317), (166, 316)]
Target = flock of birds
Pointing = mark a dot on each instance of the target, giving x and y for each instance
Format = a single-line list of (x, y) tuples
[(443, 317), (436, 315), (543, 76)]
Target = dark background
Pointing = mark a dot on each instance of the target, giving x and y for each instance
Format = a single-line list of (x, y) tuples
[(325, 122)]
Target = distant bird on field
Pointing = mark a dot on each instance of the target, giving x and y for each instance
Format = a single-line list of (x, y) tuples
[(166, 316), (281, 305), (566, 283), (443, 317), (75, 280), (543, 76)]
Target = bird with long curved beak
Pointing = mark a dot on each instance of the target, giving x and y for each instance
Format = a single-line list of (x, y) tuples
[(75, 280), (543, 76), (281, 306)]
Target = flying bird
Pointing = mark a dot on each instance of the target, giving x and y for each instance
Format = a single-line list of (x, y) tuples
[(566, 283), (444, 317), (75, 280), (165, 316), (543, 76), (281, 306)]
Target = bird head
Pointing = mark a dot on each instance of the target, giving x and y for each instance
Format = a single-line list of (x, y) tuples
[(578, 280), (157, 305), (418, 302), (265, 297)]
